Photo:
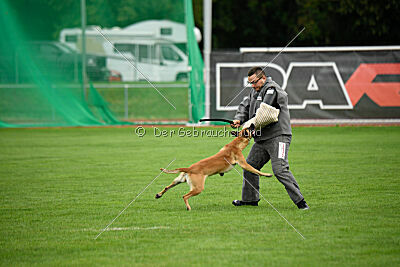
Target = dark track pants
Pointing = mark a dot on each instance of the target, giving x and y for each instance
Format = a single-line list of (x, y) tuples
[(276, 150)]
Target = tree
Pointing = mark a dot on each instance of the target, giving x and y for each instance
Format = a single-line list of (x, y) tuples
[(260, 23), (252, 23)]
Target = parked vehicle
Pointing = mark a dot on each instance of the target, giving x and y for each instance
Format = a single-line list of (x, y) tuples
[(53, 60), (155, 48), (155, 60), (63, 57)]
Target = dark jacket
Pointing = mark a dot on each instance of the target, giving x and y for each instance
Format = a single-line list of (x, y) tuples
[(271, 94)]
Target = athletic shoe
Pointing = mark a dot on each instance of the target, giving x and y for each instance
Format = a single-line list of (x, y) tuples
[(242, 203), (303, 205)]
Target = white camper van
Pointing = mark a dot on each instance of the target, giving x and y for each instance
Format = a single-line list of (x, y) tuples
[(152, 46), (156, 60)]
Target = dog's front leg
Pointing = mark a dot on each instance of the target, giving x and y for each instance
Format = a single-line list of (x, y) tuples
[(243, 163)]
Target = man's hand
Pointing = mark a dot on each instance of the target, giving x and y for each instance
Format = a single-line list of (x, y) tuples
[(236, 124)]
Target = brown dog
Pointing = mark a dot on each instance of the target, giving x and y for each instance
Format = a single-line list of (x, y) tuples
[(220, 163)]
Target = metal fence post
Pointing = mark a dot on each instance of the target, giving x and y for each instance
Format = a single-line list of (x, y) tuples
[(126, 101), (83, 25)]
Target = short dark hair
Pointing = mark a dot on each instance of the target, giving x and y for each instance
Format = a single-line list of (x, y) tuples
[(257, 70)]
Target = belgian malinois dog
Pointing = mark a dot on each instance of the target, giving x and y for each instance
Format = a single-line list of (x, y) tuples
[(220, 163)]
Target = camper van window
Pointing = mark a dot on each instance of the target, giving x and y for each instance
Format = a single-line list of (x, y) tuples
[(166, 31), (153, 54), (71, 38), (169, 54), (144, 53), (125, 48)]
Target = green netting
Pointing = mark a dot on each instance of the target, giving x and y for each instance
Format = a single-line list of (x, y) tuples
[(41, 63), (97, 101), (31, 92), (197, 90)]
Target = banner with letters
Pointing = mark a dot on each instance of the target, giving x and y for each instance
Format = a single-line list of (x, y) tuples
[(320, 84)]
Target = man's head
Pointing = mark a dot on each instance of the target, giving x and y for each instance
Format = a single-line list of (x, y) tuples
[(256, 77)]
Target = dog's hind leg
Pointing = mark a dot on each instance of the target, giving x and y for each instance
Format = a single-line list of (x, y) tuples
[(180, 179), (196, 182)]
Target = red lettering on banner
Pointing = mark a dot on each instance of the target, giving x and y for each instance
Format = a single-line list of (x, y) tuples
[(385, 94)]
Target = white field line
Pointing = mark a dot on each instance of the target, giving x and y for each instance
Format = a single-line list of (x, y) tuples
[(133, 200), (133, 228)]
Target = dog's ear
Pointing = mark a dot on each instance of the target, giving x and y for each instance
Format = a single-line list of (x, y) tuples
[(234, 133)]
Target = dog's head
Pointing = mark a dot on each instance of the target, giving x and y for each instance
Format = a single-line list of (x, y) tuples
[(246, 133)]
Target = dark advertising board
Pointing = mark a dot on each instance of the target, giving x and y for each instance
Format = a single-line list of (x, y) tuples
[(321, 84)]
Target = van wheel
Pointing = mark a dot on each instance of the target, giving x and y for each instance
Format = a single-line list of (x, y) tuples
[(182, 77)]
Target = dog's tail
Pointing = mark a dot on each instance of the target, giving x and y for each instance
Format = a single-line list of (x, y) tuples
[(175, 171)]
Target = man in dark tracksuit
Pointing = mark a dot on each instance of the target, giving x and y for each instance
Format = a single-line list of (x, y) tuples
[(273, 141)]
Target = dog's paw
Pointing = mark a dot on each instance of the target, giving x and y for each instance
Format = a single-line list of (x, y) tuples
[(267, 174), (158, 195)]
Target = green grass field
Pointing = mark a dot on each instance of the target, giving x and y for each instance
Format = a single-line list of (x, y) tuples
[(60, 187)]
